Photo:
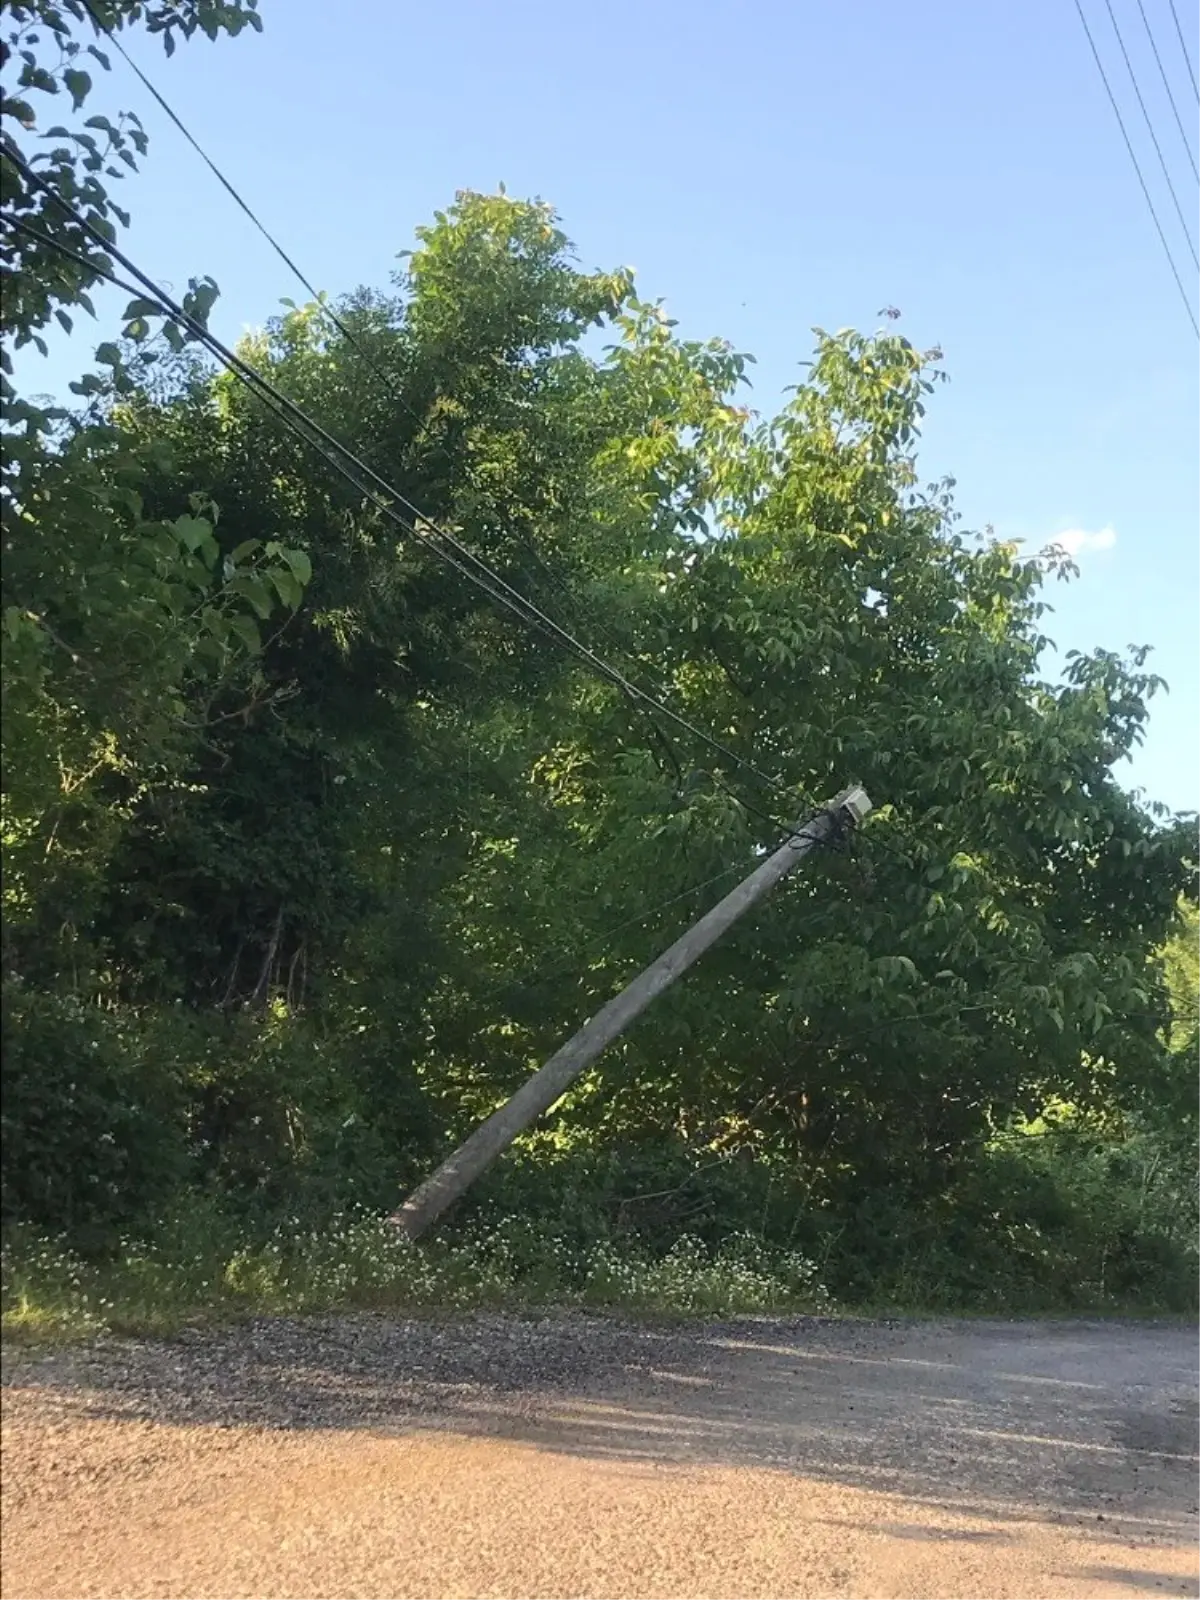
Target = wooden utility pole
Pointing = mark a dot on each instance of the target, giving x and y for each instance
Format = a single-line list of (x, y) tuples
[(550, 1082)]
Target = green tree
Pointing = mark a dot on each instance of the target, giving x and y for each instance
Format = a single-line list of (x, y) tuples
[(120, 630), (48, 55), (1181, 960), (124, 633), (487, 809), (407, 844)]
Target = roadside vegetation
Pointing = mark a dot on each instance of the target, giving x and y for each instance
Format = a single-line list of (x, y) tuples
[(312, 852)]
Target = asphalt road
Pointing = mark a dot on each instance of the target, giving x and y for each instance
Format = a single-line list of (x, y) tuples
[(580, 1456)]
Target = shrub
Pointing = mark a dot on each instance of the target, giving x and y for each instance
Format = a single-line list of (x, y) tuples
[(91, 1123)]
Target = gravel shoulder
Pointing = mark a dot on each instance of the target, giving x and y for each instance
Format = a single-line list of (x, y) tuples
[(583, 1456)]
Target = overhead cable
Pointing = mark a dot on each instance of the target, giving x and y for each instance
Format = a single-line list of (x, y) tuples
[(1112, 100), (443, 544), (1184, 49), (1166, 82), (1112, 16), (323, 306)]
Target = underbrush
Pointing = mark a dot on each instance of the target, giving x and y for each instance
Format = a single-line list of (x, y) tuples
[(1050, 1218), (50, 1292), (1047, 1218), (1053, 1216)]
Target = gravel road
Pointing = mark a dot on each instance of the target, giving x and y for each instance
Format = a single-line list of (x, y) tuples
[(582, 1456)]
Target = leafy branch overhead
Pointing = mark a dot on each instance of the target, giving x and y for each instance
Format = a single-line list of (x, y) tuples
[(50, 54)]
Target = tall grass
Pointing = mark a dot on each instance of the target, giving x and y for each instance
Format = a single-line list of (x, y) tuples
[(358, 1261)]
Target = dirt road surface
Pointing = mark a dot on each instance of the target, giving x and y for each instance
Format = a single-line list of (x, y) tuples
[(578, 1456)]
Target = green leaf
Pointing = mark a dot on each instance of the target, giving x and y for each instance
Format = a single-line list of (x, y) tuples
[(288, 590), (298, 561), (15, 621), (254, 590), (192, 532), (247, 631), (199, 301), (19, 110), (34, 77), (78, 84)]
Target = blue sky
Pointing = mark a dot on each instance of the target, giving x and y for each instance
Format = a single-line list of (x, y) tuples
[(766, 168)]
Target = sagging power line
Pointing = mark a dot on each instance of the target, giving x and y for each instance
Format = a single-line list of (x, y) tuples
[(370, 484), (327, 311)]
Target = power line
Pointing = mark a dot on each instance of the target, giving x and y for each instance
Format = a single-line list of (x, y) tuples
[(1112, 100), (1112, 17), (389, 382), (327, 311), (277, 410), (280, 407), (296, 421), (444, 545), (1183, 47), (1162, 72)]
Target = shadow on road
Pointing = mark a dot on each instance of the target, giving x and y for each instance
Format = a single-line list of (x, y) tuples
[(1091, 1423), (1140, 1582)]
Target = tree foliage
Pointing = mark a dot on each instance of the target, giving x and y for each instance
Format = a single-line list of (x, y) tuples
[(49, 54), (124, 632), (332, 850)]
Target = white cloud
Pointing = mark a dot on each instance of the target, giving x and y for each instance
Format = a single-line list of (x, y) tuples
[(1082, 541)]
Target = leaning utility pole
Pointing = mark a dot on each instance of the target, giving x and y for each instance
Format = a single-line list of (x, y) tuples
[(493, 1137)]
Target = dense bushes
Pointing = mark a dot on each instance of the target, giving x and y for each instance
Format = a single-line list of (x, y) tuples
[(1062, 1221), (172, 1164), (313, 849), (1054, 1218), (92, 1136), (113, 1116)]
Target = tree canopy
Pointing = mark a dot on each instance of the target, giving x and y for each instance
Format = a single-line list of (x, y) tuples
[(314, 850)]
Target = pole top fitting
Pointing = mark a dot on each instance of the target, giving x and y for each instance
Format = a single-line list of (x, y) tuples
[(851, 806)]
